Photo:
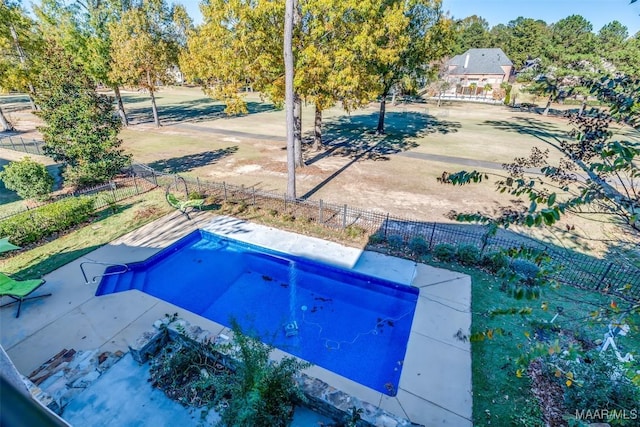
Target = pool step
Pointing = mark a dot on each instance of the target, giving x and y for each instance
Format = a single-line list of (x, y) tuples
[(107, 285), (139, 280), (123, 282)]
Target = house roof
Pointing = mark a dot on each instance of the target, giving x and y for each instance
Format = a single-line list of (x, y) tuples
[(481, 61)]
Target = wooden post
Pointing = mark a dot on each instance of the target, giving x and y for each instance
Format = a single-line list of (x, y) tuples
[(320, 219), (113, 190), (344, 216), (254, 195), (224, 189), (135, 183)]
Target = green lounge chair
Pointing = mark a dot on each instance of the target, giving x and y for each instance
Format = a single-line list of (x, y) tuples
[(19, 290), (183, 206)]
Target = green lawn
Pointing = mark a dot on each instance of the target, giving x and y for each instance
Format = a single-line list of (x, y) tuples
[(106, 226)]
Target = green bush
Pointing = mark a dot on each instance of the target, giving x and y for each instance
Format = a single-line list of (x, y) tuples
[(376, 238), (355, 231), (260, 392), (28, 178), (495, 261), (468, 255), (419, 245), (598, 381), (526, 270), (445, 252), (31, 226), (395, 241)]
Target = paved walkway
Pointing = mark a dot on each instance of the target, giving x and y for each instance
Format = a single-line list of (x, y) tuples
[(435, 387)]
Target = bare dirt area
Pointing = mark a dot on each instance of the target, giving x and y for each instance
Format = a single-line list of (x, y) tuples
[(396, 172)]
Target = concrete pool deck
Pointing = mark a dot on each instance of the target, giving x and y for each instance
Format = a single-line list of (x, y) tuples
[(435, 386)]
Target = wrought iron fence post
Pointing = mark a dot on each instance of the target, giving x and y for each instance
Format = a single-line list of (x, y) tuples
[(601, 281), (113, 190), (285, 202), (386, 225), (433, 232)]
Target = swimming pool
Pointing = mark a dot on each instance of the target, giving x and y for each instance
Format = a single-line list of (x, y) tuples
[(347, 322)]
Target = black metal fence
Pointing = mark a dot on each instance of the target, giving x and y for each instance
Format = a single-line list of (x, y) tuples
[(572, 268), (575, 269), (18, 143), (106, 194)]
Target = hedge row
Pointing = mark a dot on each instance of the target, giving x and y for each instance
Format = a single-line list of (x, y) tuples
[(36, 224)]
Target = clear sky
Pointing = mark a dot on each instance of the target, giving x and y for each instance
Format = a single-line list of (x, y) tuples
[(598, 12)]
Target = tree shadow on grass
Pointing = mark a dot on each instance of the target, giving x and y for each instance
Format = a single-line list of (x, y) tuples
[(192, 161), (529, 126), (192, 111), (354, 137)]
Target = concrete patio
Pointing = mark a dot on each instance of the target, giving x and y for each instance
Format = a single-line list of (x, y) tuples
[(435, 386)]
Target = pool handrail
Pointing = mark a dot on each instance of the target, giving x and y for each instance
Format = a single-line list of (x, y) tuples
[(108, 264)]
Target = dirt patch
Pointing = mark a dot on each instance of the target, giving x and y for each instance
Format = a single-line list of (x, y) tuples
[(549, 395)]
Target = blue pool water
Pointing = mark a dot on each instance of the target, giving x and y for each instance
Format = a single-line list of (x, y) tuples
[(349, 323)]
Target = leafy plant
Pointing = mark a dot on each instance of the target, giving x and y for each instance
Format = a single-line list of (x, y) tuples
[(31, 226), (259, 392), (445, 252), (354, 231), (468, 255), (595, 381), (395, 241), (28, 178), (376, 238), (495, 261), (419, 245)]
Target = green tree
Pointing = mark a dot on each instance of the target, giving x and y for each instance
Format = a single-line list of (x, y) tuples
[(81, 129), (596, 174), (572, 41), (471, 32), (521, 39), (398, 42), (20, 45), (30, 179), (611, 39), (145, 45)]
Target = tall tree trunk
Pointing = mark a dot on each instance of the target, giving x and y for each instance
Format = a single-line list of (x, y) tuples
[(289, 97), (548, 106), (121, 111), (317, 129), (383, 108), (6, 124), (23, 62), (297, 121), (583, 106), (154, 107)]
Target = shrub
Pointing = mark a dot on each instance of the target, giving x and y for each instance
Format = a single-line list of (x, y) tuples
[(597, 381), (495, 261), (194, 195), (419, 245), (31, 226), (28, 178), (354, 231), (395, 241), (468, 255), (445, 252), (526, 270), (260, 392), (376, 238)]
